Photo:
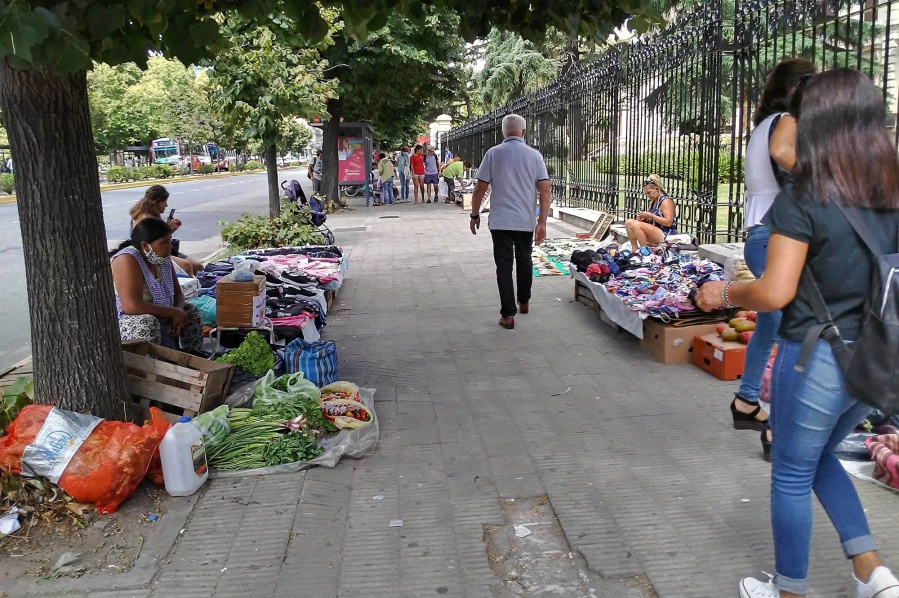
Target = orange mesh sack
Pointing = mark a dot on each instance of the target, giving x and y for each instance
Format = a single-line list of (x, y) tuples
[(93, 460)]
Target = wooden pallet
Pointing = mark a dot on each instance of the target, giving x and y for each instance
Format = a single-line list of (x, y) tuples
[(9, 374)]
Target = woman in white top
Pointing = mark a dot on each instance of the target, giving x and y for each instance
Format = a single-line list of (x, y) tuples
[(770, 154)]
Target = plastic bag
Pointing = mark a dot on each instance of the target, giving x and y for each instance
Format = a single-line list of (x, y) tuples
[(854, 447), (206, 305), (356, 443), (346, 413), (245, 270), (270, 390), (214, 426), (107, 466), (884, 451), (735, 269), (442, 190)]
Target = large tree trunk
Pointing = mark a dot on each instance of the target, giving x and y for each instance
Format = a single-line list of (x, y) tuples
[(75, 338), (330, 129), (271, 168)]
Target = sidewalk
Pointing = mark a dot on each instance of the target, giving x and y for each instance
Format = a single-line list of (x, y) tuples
[(638, 460)]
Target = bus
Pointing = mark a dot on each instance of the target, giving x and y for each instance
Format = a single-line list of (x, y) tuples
[(174, 152)]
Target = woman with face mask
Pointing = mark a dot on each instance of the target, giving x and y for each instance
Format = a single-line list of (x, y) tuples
[(153, 205), (149, 301)]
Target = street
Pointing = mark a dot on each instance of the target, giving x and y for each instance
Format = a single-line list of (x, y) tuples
[(200, 204)]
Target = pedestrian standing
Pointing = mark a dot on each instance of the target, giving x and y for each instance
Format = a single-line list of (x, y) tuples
[(417, 163), (404, 173), (386, 171), (447, 156), (840, 118), (432, 174), (515, 173), (315, 172)]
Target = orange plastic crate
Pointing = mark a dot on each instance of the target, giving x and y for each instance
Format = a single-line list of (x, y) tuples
[(722, 359)]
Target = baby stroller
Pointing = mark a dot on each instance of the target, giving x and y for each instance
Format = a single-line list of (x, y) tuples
[(296, 195)]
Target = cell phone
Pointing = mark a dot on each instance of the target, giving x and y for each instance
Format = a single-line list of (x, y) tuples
[(172, 214)]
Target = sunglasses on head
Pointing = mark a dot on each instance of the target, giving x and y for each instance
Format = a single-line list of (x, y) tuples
[(649, 182)]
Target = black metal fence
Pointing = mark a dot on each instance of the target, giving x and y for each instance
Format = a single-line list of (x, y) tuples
[(678, 102)]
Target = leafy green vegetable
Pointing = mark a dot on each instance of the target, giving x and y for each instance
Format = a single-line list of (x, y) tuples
[(253, 355), (19, 394), (290, 448), (214, 426)]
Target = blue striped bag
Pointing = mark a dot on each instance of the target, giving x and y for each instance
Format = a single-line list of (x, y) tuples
[(317, 361)]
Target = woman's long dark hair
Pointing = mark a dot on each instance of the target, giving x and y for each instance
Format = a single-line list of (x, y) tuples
[(147, 230), (779, 87), (843, 150)]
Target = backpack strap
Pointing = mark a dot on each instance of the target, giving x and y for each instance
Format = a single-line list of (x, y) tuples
[(860, 227)]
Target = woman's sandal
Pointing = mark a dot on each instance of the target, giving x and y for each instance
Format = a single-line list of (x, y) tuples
[(747, 421), (766, 446)]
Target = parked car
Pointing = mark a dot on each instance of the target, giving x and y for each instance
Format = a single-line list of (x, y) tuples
[(222, 166)]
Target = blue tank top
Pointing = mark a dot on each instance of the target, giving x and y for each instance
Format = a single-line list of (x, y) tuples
[(656, 210)]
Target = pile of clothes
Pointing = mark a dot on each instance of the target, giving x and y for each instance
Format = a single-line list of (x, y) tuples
[(656, 281)]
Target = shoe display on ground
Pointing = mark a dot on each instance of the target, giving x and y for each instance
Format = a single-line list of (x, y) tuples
[(507, 323), (753, 588), (881, 584)]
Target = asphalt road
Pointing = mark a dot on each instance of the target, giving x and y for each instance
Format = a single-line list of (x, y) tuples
[(200, 204)]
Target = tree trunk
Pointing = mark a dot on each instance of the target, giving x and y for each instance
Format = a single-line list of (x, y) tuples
[(75, 340), (271, 168), (330, 129)]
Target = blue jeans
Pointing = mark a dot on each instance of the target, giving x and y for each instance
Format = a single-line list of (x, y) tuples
[(387, 191), (811, 413), (404, 187), (755, 252)]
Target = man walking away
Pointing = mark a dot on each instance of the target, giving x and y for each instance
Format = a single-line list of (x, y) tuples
[(315, 172), (515, 173), (405, 173), (432, 173), (386, 171), (417, 162)]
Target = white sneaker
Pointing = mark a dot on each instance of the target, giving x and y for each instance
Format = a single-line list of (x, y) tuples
[(753, 588), (881, 584)]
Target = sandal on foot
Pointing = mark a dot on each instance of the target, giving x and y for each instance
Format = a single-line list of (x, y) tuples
[(747, 421), (766, 445)]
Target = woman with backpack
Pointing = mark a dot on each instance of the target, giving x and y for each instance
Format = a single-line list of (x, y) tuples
[(769, 154), (845, 161)]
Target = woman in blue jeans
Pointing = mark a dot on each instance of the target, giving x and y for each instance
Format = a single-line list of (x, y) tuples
[(770, 150), (843, 154)]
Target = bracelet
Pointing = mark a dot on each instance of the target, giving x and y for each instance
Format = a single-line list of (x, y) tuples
[(725, 294), (475, 216)]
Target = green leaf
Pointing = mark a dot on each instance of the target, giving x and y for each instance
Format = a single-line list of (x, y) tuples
[(21, 31)]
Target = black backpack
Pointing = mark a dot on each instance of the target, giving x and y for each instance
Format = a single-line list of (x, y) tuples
[(870, 364)]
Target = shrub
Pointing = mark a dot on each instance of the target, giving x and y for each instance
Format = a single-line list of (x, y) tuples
[(253, 231), (254, 165), (164, 171), (117, 174), (182, 171), (148, 171), (240, 167), (7, 185), (206, 169)]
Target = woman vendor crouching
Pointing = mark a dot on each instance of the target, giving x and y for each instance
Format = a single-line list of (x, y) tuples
[(149, 301)]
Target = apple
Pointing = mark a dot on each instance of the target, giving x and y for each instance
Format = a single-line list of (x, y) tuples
[(721, 328), (753, 315), (745, 326), (730, 335), (743, 314), (745, 337)]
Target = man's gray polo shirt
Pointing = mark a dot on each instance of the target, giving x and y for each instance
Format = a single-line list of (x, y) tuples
[(513, 170)]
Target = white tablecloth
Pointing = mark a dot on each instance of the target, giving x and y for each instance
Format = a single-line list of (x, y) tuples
[(612, 305)]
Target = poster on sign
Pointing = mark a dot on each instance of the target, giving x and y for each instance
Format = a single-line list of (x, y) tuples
[(351, 160)]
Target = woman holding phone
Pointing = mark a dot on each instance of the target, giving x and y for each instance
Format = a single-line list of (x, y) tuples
[(153, 204)]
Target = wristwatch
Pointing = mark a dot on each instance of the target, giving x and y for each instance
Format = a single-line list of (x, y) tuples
[(475, 216)]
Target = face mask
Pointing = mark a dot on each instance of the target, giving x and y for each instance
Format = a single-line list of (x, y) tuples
[(155, 259)]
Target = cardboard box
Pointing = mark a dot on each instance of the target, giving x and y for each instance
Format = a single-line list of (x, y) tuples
[(722, 359), (671, 344), (239, 304), (466, 201), (178, 383)]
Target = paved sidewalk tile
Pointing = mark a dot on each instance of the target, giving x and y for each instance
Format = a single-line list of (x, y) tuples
[(638, 459)]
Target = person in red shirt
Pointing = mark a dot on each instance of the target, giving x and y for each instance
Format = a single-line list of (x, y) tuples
[(417, 162)]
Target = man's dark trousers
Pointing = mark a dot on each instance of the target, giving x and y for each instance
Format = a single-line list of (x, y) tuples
[(509, 245)]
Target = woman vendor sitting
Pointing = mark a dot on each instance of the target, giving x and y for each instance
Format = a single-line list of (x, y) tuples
[(149, 301), (152, 205), (654, 226)]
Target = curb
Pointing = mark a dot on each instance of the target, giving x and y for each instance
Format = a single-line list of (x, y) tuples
[(183, 179)]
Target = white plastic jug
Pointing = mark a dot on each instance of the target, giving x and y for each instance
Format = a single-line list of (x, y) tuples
[(183, 459)]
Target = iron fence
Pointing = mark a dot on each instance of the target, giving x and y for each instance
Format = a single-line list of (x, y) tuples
[(678, 102)]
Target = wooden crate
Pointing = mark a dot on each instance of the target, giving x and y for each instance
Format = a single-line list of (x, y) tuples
[(8, 375), (583, 296), (176, 382)]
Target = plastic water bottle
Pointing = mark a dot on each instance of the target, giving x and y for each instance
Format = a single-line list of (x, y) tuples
[(183, 459)]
